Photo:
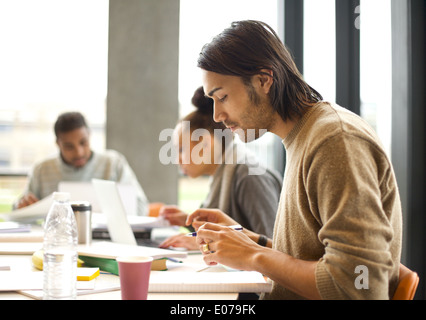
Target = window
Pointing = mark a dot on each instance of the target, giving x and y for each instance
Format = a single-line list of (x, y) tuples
[(53, 59), (320, 47), (376, 67), (373, 18), (200, 21)]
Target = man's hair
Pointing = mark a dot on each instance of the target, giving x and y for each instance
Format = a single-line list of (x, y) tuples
[(69, 121), (249, 46)]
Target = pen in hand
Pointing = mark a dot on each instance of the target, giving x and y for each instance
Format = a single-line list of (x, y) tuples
[(235, 227)]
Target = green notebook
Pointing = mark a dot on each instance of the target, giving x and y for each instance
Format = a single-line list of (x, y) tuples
[(111, 265)]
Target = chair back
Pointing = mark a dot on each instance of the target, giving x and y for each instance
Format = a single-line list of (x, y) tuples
[(154, 209), (407, 285)]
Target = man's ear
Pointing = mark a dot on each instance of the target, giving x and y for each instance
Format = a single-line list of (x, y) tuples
[(266, 79)]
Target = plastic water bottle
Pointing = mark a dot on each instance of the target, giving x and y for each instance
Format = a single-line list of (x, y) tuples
[(60, 250)]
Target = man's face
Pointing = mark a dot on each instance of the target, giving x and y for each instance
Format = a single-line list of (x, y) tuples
[(75, 146), (244, 109)]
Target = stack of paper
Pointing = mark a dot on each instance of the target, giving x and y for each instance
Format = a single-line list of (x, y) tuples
[(21, 248), (223, 282), (104, 283), (11, 227), (137, 223), (33, 280), (34, 211)]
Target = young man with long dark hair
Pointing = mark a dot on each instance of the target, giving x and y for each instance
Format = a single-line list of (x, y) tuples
[(339, 216)]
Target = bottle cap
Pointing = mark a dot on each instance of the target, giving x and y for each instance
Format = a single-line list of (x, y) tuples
[(61, 196)]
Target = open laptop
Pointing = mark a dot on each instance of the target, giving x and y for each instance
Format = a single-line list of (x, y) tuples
[(111, 205)]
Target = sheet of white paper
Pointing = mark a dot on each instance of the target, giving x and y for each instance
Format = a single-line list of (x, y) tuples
[(23, 248), (99, 221), (32, 280), (103, 283), (19, 280), (36, 210)]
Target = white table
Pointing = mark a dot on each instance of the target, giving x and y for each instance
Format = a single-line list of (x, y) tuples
[(23, 262)]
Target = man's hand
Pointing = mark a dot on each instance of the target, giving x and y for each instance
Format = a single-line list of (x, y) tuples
[(201, 216), (26, 200), (224, 245)]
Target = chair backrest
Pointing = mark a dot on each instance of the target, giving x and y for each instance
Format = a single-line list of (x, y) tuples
[(154, 209), (407, 285)]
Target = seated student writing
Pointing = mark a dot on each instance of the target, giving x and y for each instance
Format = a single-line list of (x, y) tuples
[(339, 206), (76, 161)]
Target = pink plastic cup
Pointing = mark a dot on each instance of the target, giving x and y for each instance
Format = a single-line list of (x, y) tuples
[(134, 275)]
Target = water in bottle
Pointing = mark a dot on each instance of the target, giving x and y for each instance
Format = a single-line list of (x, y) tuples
[(60, 250)]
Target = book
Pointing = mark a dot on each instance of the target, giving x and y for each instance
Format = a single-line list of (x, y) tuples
[(111, 265), (11, 227), (103, 254)]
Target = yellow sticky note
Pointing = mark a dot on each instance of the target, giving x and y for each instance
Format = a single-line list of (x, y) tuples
[(87, 274)]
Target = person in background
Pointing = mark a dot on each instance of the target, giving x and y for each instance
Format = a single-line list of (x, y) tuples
[(76, 161), (339, 208), (246, 191)]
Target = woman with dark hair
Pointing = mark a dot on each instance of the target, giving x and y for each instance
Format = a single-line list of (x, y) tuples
[(250, 199)]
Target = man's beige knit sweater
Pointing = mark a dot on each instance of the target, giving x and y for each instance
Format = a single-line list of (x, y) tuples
[(340, 206)]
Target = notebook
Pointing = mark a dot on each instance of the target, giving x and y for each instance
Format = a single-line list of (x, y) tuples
[(223, 282), (109, 250)]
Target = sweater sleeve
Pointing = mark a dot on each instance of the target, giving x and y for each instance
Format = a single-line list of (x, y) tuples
[(257, 197), (343, 184)]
